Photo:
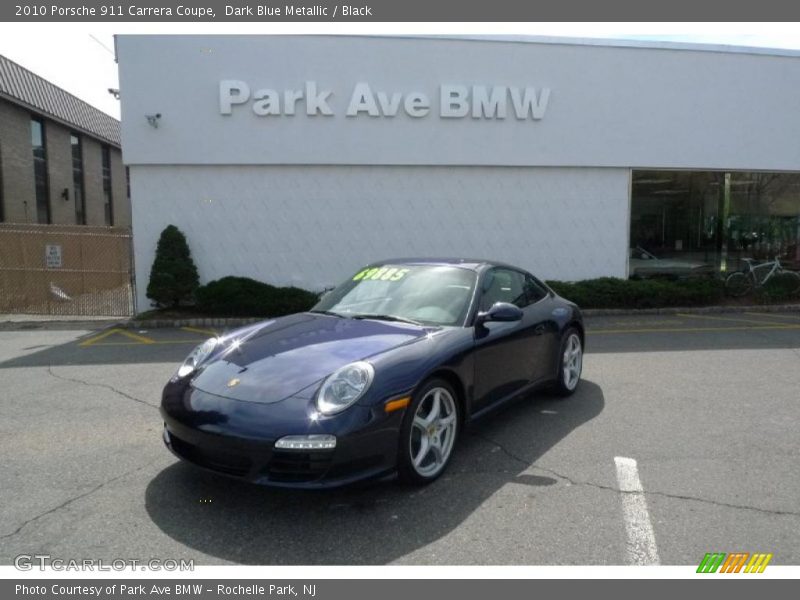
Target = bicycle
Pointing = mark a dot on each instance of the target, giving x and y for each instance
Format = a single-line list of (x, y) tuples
[(743, 282)]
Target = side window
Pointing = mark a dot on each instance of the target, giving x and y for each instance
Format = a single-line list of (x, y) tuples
[(503, 285), (533, 290)]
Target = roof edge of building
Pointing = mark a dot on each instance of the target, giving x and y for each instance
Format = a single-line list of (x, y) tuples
[(91, 112)]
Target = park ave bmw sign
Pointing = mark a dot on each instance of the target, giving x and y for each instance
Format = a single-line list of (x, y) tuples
[(452, 101)]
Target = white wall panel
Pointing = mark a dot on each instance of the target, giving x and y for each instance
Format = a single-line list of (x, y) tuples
[(608, 106), (313, 226)]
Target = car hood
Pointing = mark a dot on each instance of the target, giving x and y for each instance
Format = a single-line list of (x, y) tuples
[(283, 357)]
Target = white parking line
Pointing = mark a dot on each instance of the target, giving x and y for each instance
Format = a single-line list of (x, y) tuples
[(641, 549)]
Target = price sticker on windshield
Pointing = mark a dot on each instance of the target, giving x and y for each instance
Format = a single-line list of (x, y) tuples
[(386, 273)]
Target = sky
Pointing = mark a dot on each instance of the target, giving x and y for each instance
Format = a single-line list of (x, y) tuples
[(80, 57)]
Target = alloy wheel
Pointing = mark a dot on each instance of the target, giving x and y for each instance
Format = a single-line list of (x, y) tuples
[(572, 361), (433, 432)]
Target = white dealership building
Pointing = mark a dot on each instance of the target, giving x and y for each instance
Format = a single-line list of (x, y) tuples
[(295, 160)]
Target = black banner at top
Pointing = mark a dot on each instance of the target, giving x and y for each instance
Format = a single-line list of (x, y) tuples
[(208, 11)]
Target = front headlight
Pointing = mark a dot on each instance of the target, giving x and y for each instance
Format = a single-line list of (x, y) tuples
[(344, 387), (197, 356)]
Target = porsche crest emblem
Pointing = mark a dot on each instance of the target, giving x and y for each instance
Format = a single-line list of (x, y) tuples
[(233, 382)]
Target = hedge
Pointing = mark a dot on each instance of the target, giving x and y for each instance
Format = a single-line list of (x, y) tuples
[(610, 292), (245, 297), (780, 288)]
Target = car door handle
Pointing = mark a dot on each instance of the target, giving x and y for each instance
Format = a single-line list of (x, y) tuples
[(539, 330)]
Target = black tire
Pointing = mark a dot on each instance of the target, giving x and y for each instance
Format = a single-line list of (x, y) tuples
[(563, 386), (411, 435), (738, 284)]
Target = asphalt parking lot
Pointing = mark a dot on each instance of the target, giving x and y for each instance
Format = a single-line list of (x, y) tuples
[(682, 439)]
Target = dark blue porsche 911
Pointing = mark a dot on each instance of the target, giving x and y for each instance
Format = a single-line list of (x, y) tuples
[(381, 376)]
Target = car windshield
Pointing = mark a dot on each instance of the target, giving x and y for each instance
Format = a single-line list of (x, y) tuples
[(424, 294)]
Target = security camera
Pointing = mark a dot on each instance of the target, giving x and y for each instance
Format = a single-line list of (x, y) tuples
[(153, 119)]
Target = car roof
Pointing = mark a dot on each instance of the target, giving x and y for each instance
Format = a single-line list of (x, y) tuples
[(467, 263)]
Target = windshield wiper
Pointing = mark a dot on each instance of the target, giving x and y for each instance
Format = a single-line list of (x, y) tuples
[(328, 312), (379, 317)]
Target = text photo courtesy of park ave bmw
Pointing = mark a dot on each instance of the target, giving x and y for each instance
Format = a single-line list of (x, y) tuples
[(319, 310)]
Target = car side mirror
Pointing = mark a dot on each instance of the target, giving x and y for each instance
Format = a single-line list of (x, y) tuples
[(500, 311)]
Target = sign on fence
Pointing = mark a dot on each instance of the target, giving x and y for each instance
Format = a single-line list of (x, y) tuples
[(52, 256)]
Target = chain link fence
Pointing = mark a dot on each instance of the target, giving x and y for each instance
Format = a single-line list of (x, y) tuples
[(65, 270)]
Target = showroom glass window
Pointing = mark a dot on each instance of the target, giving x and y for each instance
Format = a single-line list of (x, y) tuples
[(695, 222), (107, 195), (40, 171), (77, 179)]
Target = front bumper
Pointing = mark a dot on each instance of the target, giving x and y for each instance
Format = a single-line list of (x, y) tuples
[(237, 439)]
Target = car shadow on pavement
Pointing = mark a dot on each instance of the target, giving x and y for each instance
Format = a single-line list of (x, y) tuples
[(374, 523)]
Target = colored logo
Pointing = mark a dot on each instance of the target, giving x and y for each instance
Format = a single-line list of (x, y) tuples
[(233, 382), (734, 563)]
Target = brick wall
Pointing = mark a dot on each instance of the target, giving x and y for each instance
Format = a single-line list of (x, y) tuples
[(16, 162), (93, 181), (17, 157), (122, 205), (59, 173)]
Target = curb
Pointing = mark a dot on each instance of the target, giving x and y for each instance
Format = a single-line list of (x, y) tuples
[(695, 310), (59, 325), (229, 323), (97, 325), (206, 322)]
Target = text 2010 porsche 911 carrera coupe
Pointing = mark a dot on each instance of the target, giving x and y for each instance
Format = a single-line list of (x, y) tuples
[(379, 377)]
